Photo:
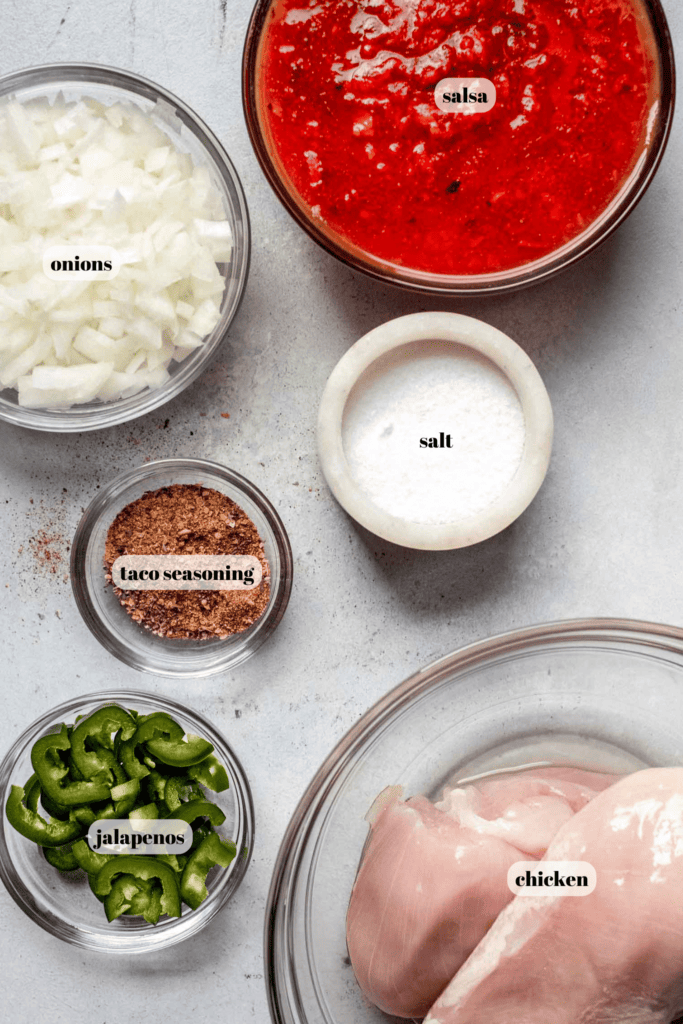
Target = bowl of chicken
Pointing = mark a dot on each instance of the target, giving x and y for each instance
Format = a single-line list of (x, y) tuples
[(430, 870)]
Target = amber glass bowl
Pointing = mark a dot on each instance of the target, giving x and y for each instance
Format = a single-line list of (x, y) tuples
[(658, 49)]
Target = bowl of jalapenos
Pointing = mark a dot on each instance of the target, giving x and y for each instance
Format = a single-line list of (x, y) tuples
[(127, 822)]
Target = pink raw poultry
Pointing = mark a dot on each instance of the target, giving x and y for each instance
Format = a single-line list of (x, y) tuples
[(433, 879), (614, 956)]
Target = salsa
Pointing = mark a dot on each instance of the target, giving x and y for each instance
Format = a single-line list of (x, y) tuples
[(347, 93)]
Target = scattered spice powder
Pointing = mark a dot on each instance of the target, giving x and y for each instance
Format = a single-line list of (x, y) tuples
[(188, 519), (45, 548)]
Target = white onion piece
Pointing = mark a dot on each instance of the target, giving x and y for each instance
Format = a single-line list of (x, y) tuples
[(84, 174), (61, 386)]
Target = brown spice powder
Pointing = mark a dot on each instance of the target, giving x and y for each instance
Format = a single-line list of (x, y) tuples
[(45, 548), (188, 519)]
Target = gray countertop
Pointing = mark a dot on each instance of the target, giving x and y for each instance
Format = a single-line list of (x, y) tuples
[(602, 538)]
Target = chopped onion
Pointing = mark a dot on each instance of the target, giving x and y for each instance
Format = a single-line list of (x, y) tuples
[(84, 174)]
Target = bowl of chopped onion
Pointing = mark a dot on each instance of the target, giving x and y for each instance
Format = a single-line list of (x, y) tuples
[(124, 246)]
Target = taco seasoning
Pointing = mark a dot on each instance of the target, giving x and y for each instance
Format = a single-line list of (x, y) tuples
[(188, 519)]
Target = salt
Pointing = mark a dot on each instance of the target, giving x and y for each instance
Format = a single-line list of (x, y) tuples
[(423, 390)]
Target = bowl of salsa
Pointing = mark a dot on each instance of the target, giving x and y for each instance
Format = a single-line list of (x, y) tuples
[(557, 116)]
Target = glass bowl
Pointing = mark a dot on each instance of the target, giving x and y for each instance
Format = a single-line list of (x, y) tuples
[(61, 902), (659, 52), (110, 623), (189, 135), (601, 693)]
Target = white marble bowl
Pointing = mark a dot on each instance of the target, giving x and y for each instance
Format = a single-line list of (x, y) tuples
[(507, 356)]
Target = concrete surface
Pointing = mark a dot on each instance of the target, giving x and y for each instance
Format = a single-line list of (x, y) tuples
[(603, 537)]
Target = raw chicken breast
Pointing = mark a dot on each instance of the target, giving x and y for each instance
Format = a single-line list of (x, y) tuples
[(613, 956), (434, 878), (525, 808)]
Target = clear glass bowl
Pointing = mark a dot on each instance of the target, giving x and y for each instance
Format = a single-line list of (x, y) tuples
[(62, 902), (189, 135), (110, 623), (615, 686), (659, 51)]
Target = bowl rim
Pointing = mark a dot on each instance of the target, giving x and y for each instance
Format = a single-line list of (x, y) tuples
[(281, 587), (477, 284), (169, 932), (106, 414), (508, 357), (279, 903)]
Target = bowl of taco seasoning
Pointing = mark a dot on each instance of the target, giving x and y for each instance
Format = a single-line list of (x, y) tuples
[(178, 513), (463, 147)]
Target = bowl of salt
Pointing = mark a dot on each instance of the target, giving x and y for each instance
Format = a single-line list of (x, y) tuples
[(435, 431)]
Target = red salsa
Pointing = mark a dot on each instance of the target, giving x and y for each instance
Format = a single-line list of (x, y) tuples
[(348, 95)]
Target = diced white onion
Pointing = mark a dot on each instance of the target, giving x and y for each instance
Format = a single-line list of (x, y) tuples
[(84, 174)]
